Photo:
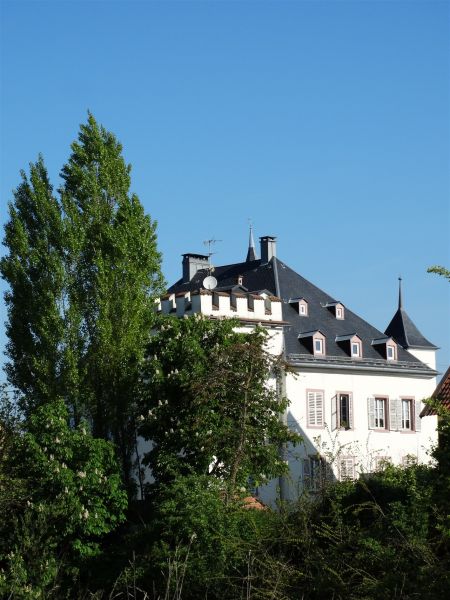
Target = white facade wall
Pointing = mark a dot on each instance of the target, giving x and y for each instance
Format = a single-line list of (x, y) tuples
[(365, 446), (360, 446)]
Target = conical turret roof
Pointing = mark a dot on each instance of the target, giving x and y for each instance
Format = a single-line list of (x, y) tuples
[(403, 330), (251, 253)]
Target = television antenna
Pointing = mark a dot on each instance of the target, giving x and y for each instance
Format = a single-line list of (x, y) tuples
[(210, 282)]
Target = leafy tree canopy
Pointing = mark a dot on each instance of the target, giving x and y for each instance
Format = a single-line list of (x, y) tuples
[(70, 496), (207, 404), (83, 271)]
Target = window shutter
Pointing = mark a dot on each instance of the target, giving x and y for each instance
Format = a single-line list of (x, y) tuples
[(347, 466), (306, 473), (350, 411), (395, 415), (334, 413), (319, 409), (315, 409), (417, 419), (311, 409), (371, 412)]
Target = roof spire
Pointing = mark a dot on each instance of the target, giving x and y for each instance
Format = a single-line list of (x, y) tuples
[(403, 330), (251, 253), (400, 301)]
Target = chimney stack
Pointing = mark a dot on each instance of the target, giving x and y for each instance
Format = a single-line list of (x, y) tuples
[(268, 248), (193, 263)]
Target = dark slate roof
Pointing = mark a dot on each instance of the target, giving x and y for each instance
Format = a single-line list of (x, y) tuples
[(251, 254), (403, 330), (280, 280)]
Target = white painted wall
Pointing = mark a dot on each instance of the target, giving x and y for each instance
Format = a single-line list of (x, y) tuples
[(364, 444)]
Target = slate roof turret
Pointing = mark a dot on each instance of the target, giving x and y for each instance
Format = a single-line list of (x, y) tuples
[(403, 330)]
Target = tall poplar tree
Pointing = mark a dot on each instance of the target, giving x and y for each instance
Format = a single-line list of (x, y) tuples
[(114, 275), (34, 270), (83, 270)]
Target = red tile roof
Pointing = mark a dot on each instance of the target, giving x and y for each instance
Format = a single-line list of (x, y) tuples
[(441, 393), (253, 503)]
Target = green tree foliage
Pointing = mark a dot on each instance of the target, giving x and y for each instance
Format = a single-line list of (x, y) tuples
[(70, 496), (113, 278), (35, 274), (83, 271), (442, 271), (206, 404), (197, 545)]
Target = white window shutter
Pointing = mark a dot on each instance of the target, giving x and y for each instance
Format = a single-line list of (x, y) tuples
[(319, 409), (347, 467), (394, 414), (350, 411), (371, 412), (417, 411), (334, 413), (311, 409)]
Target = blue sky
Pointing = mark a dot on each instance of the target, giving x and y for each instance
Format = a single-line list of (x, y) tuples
[(326, 123)]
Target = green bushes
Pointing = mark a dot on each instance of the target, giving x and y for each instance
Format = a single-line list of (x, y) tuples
[(70, 497)]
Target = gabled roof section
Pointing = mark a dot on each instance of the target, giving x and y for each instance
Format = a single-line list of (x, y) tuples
[(403, 330), (276, 278), (441, 394), (254, 277)]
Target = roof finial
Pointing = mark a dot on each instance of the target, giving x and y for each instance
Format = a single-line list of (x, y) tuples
[(400, 301), (251, 253)]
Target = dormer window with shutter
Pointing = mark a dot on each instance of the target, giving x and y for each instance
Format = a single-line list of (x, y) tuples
[(351, 343), (300, 305), (386, 347), (337, 308), (314, 341)]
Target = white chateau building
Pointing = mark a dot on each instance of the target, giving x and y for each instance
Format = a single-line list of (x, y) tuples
[(355, 392)]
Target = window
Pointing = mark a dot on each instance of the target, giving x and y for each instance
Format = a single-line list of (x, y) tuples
[(380, 413), (347, 468), (409, 460), (316, 473), (377, 413), (390, 352), (406, 405), (315, 408), (314, 341), (339, 312), (380, 463), (342, 411), (356, 349), (396, 414), (303, 308), (386, 347), (300, 305)]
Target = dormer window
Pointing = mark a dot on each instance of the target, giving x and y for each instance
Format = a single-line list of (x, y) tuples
[(356, 349), (300, 305), (303, 308), (337, 308), (314, 341), (351, 344), (390, 352), (386, 347)]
